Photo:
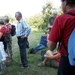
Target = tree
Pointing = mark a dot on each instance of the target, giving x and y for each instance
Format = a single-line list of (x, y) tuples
[(60, 11), (36, 21), (47, 12), (11, 18), (40, 21)]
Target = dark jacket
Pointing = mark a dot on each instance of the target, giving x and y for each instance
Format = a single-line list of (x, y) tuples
[(43, 40)]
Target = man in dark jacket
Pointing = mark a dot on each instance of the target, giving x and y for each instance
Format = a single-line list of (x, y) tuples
[(42, 44)]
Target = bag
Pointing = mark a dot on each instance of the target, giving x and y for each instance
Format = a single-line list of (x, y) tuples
[(13, 31), (27, 44), (7, 37), (71, 46)]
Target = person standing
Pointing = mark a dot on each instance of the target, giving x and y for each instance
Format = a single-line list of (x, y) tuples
[(51, 20), (22, 32), (62, 28), (3, 54), (8, 37)]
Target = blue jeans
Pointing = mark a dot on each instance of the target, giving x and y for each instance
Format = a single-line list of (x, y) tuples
[(22, 46), (38, 47)]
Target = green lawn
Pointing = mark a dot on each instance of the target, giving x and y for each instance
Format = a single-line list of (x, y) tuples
[(33, 59)]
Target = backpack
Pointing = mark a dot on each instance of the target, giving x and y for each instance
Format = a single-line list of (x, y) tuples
[(13, 31), (7, 36), (27, 44), (71, 45)]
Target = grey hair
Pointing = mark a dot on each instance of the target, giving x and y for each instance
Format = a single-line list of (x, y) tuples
[(18, 14), (6, 18), (1, 21), (54, 12)]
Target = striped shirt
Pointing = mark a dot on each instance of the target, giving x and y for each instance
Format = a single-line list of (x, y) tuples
[(22, 28)]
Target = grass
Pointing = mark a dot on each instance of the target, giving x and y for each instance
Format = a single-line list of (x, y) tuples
[(33, 60)]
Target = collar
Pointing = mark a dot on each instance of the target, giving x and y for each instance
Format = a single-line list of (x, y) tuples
[(73, 11), (20, 20)]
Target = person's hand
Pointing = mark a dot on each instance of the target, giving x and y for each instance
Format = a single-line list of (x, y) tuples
[(22, 36), (59, 55), (49, 54)]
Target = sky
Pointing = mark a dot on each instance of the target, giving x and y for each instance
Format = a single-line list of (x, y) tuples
[(27, 7)]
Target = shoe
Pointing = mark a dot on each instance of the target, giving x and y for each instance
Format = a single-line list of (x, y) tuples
[(33, 51), (23, 67), (41, 64), (30, 51)]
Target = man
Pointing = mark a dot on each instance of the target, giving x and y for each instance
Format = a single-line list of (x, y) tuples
[(41, 45), (61, 30), (51, 20), (22, 32)]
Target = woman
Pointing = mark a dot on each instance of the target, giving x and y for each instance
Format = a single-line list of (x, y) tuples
[(2, 41)]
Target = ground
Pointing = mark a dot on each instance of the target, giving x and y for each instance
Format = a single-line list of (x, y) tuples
[(33, 59)]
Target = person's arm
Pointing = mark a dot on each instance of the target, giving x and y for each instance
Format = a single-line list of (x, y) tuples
[(26, 28), (52, 55), (51, 45), (49, 26), (55, 34), (55, 56), (49, 23)]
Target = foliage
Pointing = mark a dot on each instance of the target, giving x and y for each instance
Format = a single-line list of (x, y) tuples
[(11, 18), (47, 12), (60, 11), (41, 20), (36, 21)]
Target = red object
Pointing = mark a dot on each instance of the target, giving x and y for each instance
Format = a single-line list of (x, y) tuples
[(58, 54), (62, 28), (58, 59), (8, 27), (3, 30)]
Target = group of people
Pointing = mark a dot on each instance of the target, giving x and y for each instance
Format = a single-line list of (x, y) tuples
[(60, 30), (22, 31), (5, 45), (41, 45), (49, 58), (62, 27)]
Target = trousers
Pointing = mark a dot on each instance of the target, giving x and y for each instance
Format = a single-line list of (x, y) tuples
[(22, 47)]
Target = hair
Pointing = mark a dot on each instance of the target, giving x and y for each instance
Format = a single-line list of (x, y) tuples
[(54, 12), (45, 32), (6, 18), (70, 2), (1, 21), (18, 14)]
